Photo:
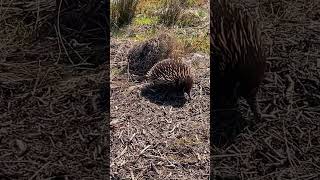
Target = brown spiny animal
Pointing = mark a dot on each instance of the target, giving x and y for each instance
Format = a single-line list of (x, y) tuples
[(238, 59), (172, 74), (145, 55)]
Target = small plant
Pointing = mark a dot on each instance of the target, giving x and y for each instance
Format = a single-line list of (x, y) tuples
[(143, 20), (170, 12), (122, 12), (201, 13), (189, 19)]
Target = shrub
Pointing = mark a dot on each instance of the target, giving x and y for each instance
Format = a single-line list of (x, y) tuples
[(122, 12), (170, 13)]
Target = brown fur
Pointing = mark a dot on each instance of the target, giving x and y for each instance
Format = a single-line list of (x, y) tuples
[(145, 55), (238, 58)]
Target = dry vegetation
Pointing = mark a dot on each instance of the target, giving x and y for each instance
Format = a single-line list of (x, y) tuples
[(154, 137), (51, 126), (286, 144)]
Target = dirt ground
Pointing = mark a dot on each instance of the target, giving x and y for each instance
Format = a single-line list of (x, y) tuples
[(154, 138)]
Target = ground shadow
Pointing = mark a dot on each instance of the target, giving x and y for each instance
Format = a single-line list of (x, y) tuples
[(103, 103), (163, 96), (227, 125), (217, 177)]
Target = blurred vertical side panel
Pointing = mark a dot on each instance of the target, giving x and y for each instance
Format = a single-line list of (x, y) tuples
[(54, 89)]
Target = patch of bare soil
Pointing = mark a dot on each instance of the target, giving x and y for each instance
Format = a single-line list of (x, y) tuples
[(154, 137)]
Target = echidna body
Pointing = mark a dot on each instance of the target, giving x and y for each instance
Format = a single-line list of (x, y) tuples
[(172, 74), (238, 59), (145, 55)]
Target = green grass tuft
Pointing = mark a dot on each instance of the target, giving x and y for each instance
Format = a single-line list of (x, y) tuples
[(143, 20)]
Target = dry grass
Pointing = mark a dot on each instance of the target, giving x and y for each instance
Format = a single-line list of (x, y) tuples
[(122, 12), (170, 12)]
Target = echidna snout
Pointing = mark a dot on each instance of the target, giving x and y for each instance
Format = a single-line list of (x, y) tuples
[(187, 85)]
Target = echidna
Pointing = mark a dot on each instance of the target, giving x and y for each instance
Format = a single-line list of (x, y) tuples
[(238, 59), (172, 74), (142, 57)]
